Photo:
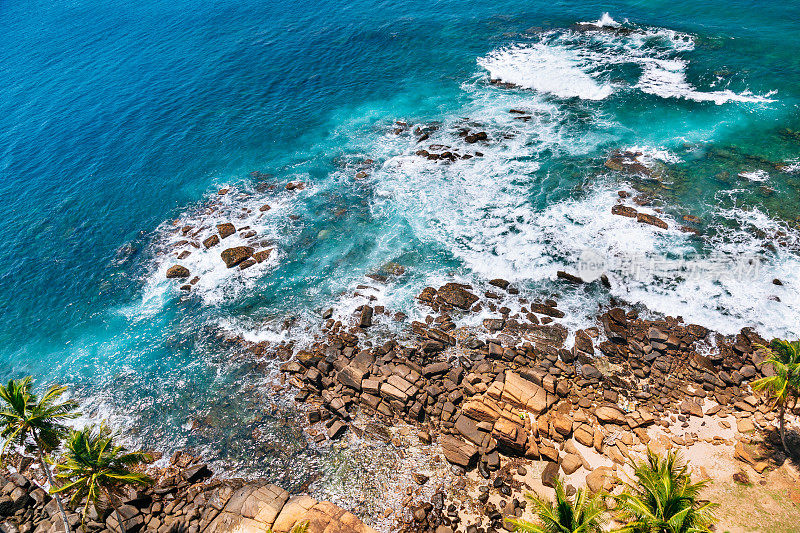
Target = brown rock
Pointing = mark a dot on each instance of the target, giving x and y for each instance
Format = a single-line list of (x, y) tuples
[(550, 474), (456, 295), (177, 271), (457, 451), (234, 256), (262, 255), (571, 463), (624, 210), (225, 229), (652, 220), (525, 394), (600, 479), (606, 413), (211, 241)]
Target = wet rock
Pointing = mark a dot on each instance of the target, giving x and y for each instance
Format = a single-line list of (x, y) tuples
[(501, 283), (247, 263), (568, 277), (262, 255), (624, 210), (234, 256), (211, 241), (543, 309), (456, 295), (652, 220), (225, 230), (177, 271), (365, 320)]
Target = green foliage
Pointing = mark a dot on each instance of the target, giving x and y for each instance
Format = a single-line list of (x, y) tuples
[(299, 528), (94, 466), (27, 419), (784, 386), (785, 359), (663, 499), (581, 514)]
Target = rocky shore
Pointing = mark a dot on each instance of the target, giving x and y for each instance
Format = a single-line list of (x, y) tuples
[(514, 394), (186, 498)]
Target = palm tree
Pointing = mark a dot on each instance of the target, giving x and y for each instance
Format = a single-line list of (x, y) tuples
[(581, 514), (27, 420), (784, 386), (663, 499), (95, 467)]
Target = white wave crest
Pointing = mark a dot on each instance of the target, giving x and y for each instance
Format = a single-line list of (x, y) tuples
[(604, 21), (667, 78), (547, 69), (755, 175)]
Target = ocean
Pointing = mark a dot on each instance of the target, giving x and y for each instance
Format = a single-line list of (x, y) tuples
[(120, 123)]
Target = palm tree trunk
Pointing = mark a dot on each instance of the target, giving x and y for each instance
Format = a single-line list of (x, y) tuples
[(119, 521), (56, 496), (782, 420)]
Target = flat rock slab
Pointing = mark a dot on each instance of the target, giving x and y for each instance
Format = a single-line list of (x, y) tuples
[(252, 508)]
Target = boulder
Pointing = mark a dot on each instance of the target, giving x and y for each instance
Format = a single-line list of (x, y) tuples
[(457, 451), (624, 210), (600, 479), (608, 414), (177, 271), (211, 241), (456, 295), (689, 407), (262, 255), (234, 256), (365, 320), (293, 512), (652, 220), (480, 411), (225, 230), (351, 376), (570, 463), (590, 372), (550, 474), (196, 473), (525, 394)]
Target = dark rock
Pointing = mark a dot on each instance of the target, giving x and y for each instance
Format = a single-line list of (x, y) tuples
[(262, 255), (550, 475), (247, 263), (196, 473), (366, 317), (568, 277)]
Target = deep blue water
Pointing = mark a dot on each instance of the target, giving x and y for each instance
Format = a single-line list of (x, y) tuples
[(117, 119)]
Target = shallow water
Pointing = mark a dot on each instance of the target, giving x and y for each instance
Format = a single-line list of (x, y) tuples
[(120, 122)]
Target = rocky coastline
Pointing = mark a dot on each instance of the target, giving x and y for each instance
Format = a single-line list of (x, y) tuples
[(523, 397), (519, 400), (186, 498)]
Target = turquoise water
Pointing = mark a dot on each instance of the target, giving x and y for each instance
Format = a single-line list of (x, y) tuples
[(118, 120)]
